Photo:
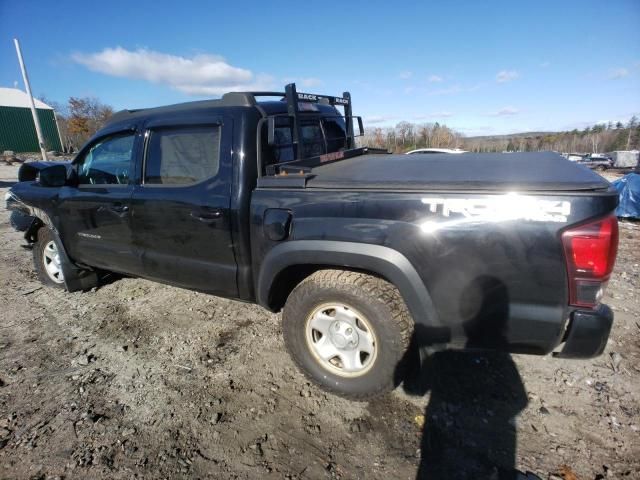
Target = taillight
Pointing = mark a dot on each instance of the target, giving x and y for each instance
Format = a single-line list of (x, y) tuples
[(590, 252)]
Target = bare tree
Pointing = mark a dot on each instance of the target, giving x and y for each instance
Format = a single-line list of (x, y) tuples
[(631, 126), (403, 129), (79, 119)]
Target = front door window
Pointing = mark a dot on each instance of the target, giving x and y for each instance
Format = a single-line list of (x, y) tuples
[(108, 161)]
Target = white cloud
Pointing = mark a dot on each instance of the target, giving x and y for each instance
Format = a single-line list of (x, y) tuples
[(455, 89), (545, 64), (506, 76), (435, 78), (505, 111), (311, 82), (305, 82), (377, 119), (447, 91), (618, 73), (406, 75), (427, 116), (201, 74)]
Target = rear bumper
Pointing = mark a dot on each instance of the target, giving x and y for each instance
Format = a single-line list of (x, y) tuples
[(587, 334)]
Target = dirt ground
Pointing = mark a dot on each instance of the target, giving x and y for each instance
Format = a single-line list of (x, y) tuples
[(141, 380)]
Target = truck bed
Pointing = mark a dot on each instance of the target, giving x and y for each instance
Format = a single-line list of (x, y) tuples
[(530, 171)]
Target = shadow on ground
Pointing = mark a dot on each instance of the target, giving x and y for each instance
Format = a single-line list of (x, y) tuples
[(469, 423)]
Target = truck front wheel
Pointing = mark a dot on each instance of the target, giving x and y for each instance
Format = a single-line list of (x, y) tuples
[(47, 259), (347, 331)]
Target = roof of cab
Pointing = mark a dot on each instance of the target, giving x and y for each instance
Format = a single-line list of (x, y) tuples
[(228, 100)]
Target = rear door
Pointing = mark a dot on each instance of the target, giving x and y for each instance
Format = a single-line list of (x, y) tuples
[(180, 209), (94, 215)]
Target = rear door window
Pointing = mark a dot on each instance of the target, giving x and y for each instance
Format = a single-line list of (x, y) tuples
[(182, 155)]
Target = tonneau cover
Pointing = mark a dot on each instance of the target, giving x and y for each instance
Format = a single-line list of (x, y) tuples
[(530, 171)]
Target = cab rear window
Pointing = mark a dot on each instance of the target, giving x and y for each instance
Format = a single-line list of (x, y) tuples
[(320, 135)]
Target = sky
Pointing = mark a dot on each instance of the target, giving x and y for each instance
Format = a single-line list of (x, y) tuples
[(481, 67)]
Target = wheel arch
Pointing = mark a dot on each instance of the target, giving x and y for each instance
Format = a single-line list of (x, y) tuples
[(287, 264), (75, 278)]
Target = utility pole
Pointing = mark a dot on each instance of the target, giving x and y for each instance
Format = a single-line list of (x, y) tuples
[(34, 113)]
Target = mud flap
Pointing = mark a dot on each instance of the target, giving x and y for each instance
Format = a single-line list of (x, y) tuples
[(75, 278)]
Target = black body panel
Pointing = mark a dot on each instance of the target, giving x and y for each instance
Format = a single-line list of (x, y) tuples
[(460, 264), (95, 225), (182, 233)]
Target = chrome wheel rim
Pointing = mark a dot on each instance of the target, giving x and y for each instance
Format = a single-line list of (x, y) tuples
[(341, 340), (51, 261)]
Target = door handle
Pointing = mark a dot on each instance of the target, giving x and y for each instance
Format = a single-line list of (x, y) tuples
[(119, 208), (206, 215)]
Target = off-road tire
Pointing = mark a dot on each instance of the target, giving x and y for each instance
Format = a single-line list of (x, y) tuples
[(44, 237), (382, 305)]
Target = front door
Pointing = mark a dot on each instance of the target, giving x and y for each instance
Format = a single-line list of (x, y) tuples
[(95, 216), (180, 211)]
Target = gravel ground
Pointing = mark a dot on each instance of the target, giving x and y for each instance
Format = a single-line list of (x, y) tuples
[(141, 380)]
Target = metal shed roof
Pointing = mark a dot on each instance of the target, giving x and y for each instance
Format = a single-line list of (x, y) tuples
[(13, 97)]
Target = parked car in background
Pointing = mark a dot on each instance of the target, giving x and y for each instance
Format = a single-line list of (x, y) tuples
[(597, 162), (436, 150)]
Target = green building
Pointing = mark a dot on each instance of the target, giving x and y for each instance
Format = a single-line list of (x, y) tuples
[(17, 131)]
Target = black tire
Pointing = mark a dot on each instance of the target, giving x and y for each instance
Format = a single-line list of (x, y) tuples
[(45, 236), (601, 168), (385, 312)]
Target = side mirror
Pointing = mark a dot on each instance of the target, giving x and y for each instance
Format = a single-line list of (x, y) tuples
[(271, 131), (53, 176)]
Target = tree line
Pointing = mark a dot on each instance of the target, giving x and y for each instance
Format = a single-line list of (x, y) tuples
[(407, 136), (598, 138), (81, 117)]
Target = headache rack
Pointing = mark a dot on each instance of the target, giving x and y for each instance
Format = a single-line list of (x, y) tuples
[(302, 164)]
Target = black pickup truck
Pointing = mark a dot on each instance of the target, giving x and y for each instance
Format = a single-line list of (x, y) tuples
[(265, 197)]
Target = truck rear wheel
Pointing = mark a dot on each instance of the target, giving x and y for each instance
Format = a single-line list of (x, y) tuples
[(347, 331)]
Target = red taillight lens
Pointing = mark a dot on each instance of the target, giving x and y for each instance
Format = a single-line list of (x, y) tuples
[(590, 252)]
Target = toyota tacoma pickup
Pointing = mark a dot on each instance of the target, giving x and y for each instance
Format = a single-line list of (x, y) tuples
[(265, 197)]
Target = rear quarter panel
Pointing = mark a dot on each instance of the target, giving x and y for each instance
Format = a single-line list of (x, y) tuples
[(495, 282)]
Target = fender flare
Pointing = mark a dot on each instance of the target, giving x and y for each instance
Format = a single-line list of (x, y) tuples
[(41, 218), (75, 278), (384, 261)]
